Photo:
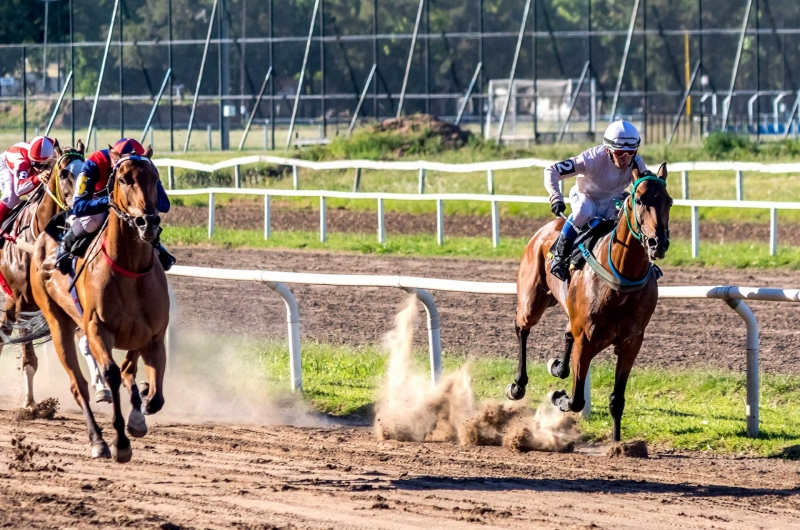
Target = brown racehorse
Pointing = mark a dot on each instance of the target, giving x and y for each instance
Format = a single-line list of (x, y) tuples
[(16, 257), (608, 304), (122, 290)]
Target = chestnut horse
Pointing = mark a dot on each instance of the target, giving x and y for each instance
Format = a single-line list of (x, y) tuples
[(122, 291), (609, 302), (54, 196)]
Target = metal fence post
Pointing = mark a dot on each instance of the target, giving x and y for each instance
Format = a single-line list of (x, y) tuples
[(267, 217), (773, 231), (421, 182), (102, 71), (726, 104), (739, 185), (302, 74), (323, 220), (440, 222), (513, 72), (695, 232), (211, 208), (381, 223), (624, 61), (410, 57), (495, 224), (685, 183), (200, 76)]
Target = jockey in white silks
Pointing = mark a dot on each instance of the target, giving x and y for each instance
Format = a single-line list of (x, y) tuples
[(603, 173)]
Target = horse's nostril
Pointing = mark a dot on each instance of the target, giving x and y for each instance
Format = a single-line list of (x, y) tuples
[(140, 222), (652, 242)]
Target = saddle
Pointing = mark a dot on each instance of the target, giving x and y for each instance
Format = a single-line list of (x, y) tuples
[(58, 226), (598, 228)]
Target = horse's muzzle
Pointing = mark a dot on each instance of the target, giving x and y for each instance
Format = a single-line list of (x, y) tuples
[(656, 249), (148, 226)]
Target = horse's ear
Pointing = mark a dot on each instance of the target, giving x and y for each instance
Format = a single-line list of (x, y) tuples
[(113, 154), (662, 171), (635, 171), (81, 148), (149, 151), (57, 148)]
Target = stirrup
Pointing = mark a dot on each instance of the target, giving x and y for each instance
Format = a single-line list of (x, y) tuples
[(560, 269), (64, 261)]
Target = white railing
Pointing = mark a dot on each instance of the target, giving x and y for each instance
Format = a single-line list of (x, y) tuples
[(733, 296), (421, 166), (439, 198)]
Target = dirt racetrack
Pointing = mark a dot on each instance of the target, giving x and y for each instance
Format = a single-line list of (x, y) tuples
[(262, 477), (681, 333)]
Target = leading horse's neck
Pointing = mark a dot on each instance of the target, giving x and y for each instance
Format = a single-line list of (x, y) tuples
[(628, 255), (124, 246)]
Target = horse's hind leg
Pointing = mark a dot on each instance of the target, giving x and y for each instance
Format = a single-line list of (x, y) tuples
[(560, 367), (137, 427), (626, 355), (30, 363), (101, 392)]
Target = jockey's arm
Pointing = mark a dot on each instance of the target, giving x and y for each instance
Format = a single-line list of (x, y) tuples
[(560, 171), (162, 198), (85, 203), (26, 178)]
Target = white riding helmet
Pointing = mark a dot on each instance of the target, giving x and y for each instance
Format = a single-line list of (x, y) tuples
[(621, 135)]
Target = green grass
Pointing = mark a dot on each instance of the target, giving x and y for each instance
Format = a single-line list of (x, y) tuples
[(694, 409), (737, 255)]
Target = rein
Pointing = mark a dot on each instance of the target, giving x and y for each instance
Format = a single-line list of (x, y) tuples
[(73, 154), (615, 280)]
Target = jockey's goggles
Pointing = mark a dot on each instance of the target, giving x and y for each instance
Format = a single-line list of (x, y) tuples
[(619, 153)]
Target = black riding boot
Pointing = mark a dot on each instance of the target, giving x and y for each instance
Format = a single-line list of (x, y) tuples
[(561, 251), (167, 260), (64, 252)]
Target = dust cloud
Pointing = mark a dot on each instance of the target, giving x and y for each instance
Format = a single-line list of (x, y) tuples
[(411, 410)]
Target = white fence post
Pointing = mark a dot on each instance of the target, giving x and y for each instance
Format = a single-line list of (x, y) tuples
[(381, 223), (293, 325), (323, 220), (295, 178), (171, 177), (357, 181), (495, 224), (211, 208), (773, 231), (210, 138), (267, 217), (440, 222), (421, 183), (695, 232), (752, 364), (739, 185), (490, 181), (434, 332), (237, 176), (685, 183)]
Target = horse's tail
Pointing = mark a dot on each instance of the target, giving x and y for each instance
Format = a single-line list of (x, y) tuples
[(30, 326)]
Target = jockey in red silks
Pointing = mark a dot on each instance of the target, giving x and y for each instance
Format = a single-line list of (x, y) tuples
[(91, 203), (20, 167)]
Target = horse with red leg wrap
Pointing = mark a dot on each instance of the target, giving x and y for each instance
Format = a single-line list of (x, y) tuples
[(609, 302)]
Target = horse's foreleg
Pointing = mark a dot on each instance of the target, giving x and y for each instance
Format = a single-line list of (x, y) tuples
[(626, 355), (102, 394), (582, 355), (101, 343), (155, 363), (516, 390), (30, 363), (137, 427), (64, 342)]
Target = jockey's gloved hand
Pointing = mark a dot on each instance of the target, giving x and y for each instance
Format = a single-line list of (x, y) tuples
[(558, 208)]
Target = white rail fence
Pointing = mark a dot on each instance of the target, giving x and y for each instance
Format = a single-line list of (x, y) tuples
[(440, 198), (733, 296)]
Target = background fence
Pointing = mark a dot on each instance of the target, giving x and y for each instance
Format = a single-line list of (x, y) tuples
[(584, 60)]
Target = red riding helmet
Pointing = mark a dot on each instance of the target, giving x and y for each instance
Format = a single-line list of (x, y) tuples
[(128, 146), (41, 150)]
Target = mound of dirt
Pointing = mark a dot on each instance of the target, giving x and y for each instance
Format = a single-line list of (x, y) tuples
[(44, 410), (429, 127), (634, 449)]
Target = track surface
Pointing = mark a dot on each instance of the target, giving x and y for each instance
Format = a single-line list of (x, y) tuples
[(224, 476), (682, 332)]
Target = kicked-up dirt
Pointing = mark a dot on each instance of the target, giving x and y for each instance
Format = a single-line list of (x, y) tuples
[(187, 475)]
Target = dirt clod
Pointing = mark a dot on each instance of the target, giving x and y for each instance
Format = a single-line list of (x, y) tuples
[(44, 410), (633, 449), (22, 454)]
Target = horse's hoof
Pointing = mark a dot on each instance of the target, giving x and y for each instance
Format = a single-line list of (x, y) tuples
[(122, 456), (29, 403), (101, 450), (136, 425), (556, 369), (103, 396), (515, 392), (556, 395)]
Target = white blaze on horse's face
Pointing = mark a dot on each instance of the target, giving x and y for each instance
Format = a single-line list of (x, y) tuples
[(137, 184), (652, 210)]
